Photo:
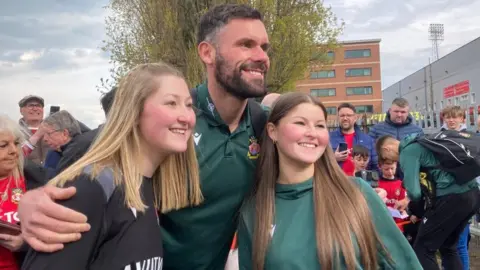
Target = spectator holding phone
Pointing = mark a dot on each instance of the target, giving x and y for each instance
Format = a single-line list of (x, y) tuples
[(347, 136)]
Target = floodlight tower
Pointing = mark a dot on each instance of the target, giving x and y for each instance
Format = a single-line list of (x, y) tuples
[(436, 35)]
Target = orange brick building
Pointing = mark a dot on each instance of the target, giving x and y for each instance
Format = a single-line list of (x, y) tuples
[(354, 77)]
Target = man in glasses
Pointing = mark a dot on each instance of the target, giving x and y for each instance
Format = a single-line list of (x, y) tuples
[(348, 135), (31, 109)]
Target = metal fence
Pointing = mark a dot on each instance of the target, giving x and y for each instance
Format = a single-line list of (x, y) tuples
[(430, 122)]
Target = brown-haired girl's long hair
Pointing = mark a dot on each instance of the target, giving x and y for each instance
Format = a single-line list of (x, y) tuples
[(176, 181), (342, 216)]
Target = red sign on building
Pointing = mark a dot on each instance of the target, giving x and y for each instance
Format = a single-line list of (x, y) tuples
[(458, 89)]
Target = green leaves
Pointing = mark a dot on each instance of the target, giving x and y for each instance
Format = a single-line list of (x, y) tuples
[(301, 33)]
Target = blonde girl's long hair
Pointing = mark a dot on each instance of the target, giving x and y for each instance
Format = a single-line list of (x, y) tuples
[(8, 126), (343, 220), (176, 181)]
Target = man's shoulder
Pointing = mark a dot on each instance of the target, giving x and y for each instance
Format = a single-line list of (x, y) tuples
[(363, 136), (85, 139)]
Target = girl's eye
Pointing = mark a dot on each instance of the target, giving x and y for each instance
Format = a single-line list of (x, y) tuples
[(299, 123)]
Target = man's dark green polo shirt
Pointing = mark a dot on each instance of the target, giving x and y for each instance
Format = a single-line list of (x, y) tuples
[(199, 238)]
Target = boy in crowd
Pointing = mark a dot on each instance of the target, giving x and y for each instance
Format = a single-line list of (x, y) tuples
[(454, 204), (361, 158), (454, 118), (396, 194)]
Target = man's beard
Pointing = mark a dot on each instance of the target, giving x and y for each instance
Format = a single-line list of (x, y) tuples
[(346, 127), (234, 84)]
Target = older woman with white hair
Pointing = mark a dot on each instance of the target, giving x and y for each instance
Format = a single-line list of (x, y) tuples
[(13, 185)]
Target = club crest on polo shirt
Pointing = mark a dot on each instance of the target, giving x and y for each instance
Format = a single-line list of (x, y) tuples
[(16, 195), (253, 148)]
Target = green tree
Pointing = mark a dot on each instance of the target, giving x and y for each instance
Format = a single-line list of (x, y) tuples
[(141, 31)]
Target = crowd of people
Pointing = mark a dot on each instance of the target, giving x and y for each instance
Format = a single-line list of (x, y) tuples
[(174, 175)]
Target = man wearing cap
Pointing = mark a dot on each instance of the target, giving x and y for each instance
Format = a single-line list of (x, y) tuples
[(31, 108)]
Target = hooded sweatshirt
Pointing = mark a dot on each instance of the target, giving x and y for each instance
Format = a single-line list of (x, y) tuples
[(414, 157), (293, 244)]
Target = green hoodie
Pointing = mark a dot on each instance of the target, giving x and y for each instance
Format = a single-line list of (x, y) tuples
[(293, 246), (413, 157)]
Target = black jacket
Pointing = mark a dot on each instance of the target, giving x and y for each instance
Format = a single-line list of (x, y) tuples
[(76, 149), (35, 177)]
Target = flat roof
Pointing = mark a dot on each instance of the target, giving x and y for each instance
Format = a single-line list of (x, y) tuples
[(360, 41)]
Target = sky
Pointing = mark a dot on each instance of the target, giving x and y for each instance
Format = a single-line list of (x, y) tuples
[(51, 48)]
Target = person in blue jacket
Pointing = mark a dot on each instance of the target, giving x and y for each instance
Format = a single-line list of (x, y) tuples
[(398, 122), (348, 132)]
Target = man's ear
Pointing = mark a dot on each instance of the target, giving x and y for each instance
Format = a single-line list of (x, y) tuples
[(207, 52), (66, 133)]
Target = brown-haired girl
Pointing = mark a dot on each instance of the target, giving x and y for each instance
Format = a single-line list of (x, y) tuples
[(305, 213)]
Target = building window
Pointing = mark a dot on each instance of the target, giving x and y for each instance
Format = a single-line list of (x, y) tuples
[(327, 92), (441, 104), (322, 74), (464, 98), (472, 98), (364, 109), (356, 72), (358, 53), (331, 110), (457, 101), (364, 90), (330, 54)]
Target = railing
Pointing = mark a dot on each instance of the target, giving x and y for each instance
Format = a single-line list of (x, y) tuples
[(430, 122)]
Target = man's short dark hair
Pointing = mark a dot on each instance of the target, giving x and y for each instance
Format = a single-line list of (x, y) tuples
[(380, 143), (346, 105), (360, 150), (400, 102), (107, 100), (220, 15)]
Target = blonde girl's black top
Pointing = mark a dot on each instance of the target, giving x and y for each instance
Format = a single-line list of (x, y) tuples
[(119, 238)]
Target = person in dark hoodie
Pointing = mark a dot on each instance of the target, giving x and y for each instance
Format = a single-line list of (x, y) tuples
[(81, 145), (398, 122)]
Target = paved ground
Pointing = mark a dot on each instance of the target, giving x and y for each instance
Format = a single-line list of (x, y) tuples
[(475, 253)]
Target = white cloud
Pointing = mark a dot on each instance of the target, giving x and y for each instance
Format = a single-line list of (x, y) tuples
[(51, 48), (403, 28), (54, 53)]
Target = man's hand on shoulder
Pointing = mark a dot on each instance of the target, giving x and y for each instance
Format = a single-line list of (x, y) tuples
[(46, 225)]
